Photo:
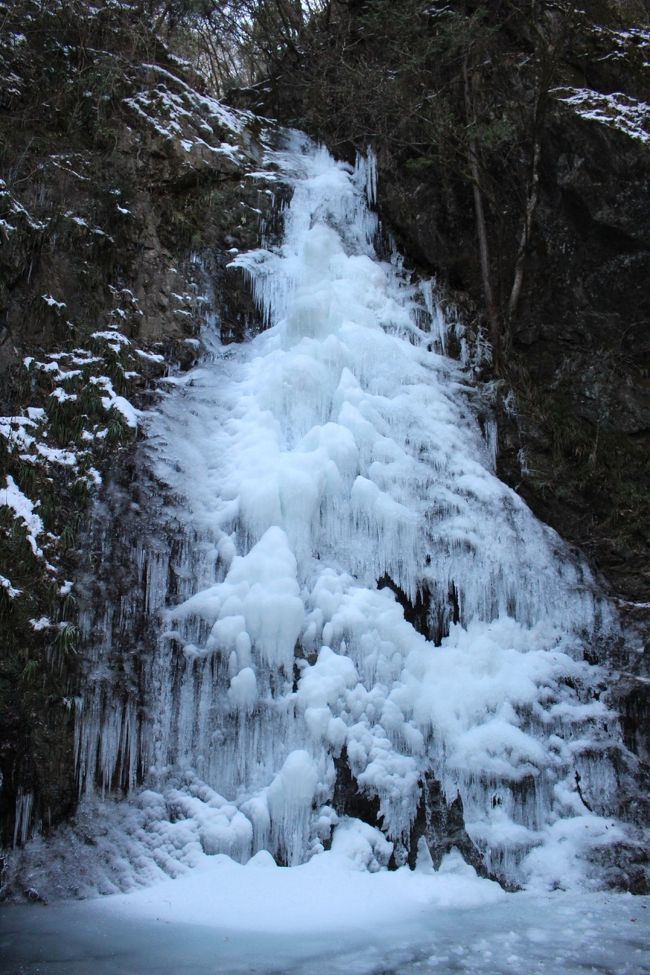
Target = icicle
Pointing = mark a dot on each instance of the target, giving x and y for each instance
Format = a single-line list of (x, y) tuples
[(365, 172), (438, 325), (23, 818)]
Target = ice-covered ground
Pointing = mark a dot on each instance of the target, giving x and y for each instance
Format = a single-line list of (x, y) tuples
[(326, 918)]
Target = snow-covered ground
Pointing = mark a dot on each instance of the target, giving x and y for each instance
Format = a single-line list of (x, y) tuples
[(326, 918)]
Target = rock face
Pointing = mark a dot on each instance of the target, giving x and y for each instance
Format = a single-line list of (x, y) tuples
[(123, 195), (575, 436), (584, 345), (574, 423)]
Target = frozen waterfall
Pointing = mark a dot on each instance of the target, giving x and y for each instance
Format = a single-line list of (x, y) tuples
[(356, 593)]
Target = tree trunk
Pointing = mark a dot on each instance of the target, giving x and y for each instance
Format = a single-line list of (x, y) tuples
[(481, 231), (526, 231)]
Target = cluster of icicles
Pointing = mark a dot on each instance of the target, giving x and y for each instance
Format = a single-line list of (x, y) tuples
[(329, 471)]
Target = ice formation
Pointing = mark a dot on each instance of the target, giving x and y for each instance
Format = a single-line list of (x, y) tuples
[(327, 474)]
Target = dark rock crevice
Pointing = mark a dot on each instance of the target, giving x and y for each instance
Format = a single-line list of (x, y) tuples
[(439, 823)]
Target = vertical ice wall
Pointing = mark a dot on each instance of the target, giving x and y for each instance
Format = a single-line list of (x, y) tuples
[(338, 509)]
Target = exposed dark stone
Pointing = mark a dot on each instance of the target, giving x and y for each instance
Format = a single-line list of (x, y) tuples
[(31, 894), (442, 826), (439, 822), (634, 708), (349, 799), (432, 612), (625, 867), (416, 613)]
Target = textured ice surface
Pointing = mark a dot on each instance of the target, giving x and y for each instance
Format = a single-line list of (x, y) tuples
[(327, 467)]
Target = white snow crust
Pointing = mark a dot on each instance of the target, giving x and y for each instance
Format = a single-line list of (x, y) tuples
[(616, 111), (24, 511), (327, 917)]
